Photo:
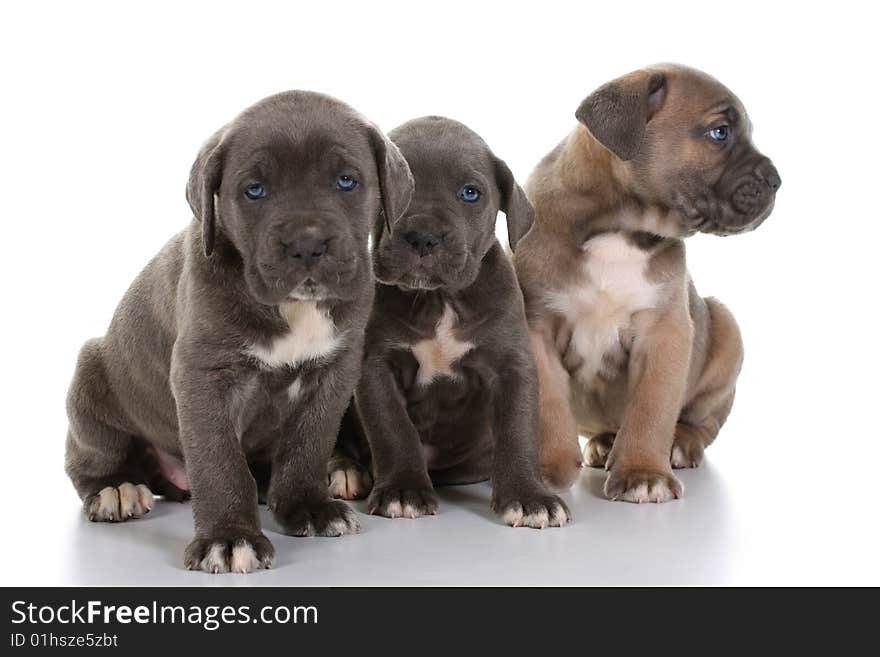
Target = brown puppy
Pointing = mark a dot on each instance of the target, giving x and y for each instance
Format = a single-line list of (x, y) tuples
[(628, 353)]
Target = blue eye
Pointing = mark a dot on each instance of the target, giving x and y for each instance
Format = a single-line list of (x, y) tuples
[(255, 191), (719, 134), (469, 194), (346, 183)]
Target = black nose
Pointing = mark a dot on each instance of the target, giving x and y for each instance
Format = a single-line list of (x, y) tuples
[(770, 175), (307, 249), (422, 243)]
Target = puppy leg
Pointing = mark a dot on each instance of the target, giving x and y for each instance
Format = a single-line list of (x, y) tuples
[(402, 487), (638, 466), (298, 495), (560, 451), (98, 456), (518, 494), (224, 494), (712, 398), (347, 477)]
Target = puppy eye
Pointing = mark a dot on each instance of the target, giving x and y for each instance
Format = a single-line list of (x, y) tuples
[(719, 134), (346, 183), (469, 194), (255, 191)]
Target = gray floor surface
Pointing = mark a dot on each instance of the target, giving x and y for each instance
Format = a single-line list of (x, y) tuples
[(712, 536)]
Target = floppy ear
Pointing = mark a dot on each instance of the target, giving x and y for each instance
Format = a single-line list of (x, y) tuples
[(204, 181), (617, 112), (514, 204), (395, 178)]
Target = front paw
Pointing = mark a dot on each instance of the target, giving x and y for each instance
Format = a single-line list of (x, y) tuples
[(642, 485), (229, 553), (403, 501), (539, 510), (324, 517)]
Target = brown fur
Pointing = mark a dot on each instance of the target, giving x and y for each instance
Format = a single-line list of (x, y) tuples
[(627, 352)]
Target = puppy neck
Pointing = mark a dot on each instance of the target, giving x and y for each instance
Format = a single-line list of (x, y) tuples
[(588, 168), (604, 187)]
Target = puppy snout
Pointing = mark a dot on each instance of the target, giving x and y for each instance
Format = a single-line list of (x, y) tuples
[(422, 243), (768, 173), (748, 198), (307, 250)]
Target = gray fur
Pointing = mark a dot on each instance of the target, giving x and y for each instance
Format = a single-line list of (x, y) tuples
[(481, 422), (173, 379)]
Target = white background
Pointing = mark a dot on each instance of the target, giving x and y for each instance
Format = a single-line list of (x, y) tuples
[(104, 108)]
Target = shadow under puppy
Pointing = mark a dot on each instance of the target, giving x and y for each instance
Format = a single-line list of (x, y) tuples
[(628, 353), (231, 358), (449, 391)]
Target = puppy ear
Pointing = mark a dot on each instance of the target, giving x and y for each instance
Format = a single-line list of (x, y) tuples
[(514, 204), (395, 178), (204, 182), (617, 112)]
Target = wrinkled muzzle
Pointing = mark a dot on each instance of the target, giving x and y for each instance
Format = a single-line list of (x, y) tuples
[(743, 199), (421, 252), (309, 259)]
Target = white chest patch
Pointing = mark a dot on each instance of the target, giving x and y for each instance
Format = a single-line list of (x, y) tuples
[(612, 288), (437, 355), (311, 335)]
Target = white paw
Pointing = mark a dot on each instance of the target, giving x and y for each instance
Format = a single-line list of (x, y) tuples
[(244, 558), (642, 486), (234, 555), (351, 483), (119, 503), (686, 454), (403, 502), (537, 516), (402, 510), (679, 459), (215, 560), (645, 492), (395, 509)]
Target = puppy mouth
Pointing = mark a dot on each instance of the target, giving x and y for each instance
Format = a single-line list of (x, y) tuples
[(724, 228), (436, 276), (316, 283), (309, 290), (418, 284), (408, 271), (714, 217), (419, 277)]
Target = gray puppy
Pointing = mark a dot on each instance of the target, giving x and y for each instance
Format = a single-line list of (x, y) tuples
[(230, 360), (449, 392)]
